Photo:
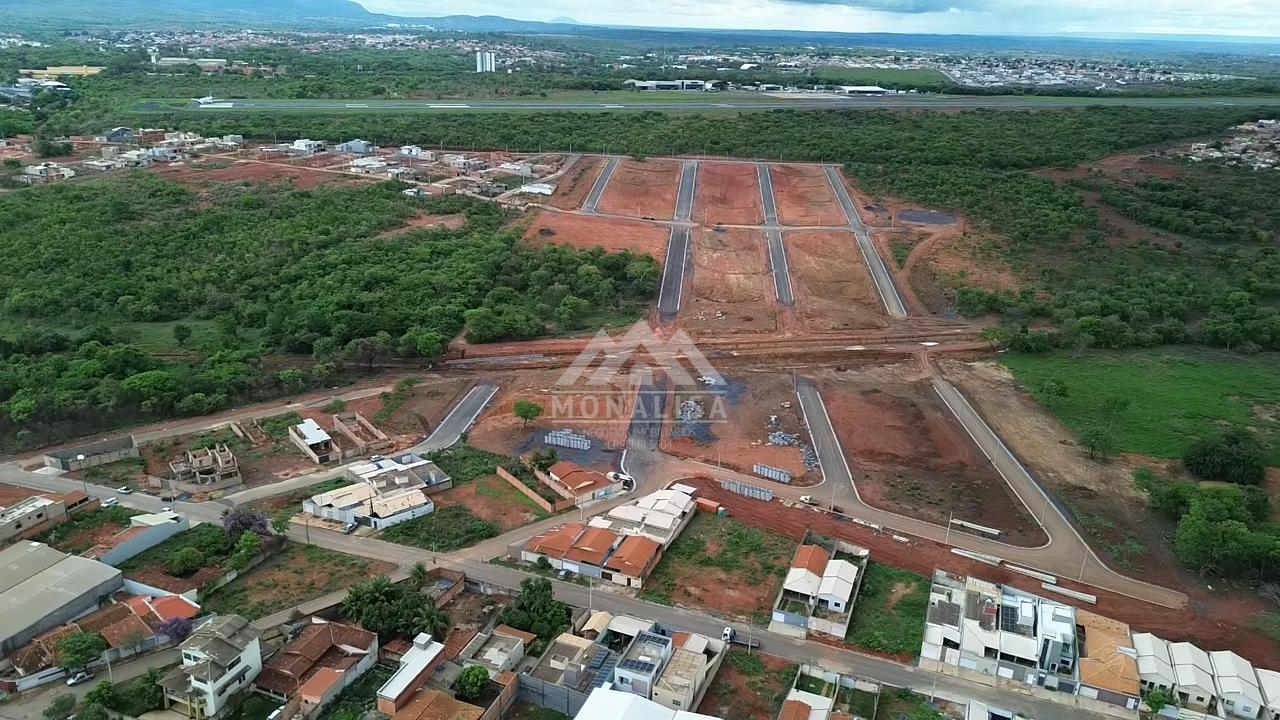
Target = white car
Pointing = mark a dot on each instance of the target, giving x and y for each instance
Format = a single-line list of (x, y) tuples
[(110, 502), (124, 490), (628, 482), (78, 678), (808, 500)]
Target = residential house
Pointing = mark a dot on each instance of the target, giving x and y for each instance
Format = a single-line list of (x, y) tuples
[(1155, 665), (1108, 664), (634, 559), (318, 664), (435, 705), (576, 662), (417, 665), (799, 591), (1269, 684), (206, 469), (220, 658), (314, 442), (644, 660), (45, 172), (1194, 671), (582, 484), (589, 551), (1237, 685), (363, 504), (33, 514), (121, 135), (305, 146), (497, 651), (417, 153), (694, 662), (405, 470), (355, 147)]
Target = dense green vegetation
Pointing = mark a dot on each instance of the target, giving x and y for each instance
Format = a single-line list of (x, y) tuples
[(1168, 399), (447, 529), (60, 537), (537, 611), (274, 270), (889, 614), (394, 609)]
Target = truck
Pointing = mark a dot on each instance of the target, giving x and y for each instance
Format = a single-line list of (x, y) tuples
[(731, 636)]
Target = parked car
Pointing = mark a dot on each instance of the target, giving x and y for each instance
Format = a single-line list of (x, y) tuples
[(124, 490), (808, 500), (728, 634), (564, 574), (348, 528), (78, 678), (110, 502), (628, 482)]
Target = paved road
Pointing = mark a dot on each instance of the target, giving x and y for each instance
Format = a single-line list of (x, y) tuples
[(875, 264), (671, 292), (777, 252), (953, 102), (1065, 553), (605, 598), (11, 474), (30, 705), (459, 419), (606, 174)]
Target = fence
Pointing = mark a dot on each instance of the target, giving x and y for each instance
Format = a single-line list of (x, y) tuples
[(550, 696), (505, 699), (553, 507), (751, 491), (772, 473), (567, 438)]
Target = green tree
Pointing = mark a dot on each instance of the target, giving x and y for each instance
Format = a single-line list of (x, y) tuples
[(186, 561), (247, 546), (292, 380), (527, 410), (1232, 456), (104, 693), (60, 707), (181, 334), (418, 576), (471, 683), (1098, 441), (1159, 698), (368, 350), (92, 711), (79, 649), (150, 692), (536, 610)]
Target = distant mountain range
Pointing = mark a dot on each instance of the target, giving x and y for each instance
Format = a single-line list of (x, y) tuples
[(83, 14)]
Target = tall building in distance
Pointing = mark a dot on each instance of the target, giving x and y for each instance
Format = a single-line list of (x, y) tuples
[(486, 62)]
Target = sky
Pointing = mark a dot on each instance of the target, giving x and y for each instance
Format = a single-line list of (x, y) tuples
[(976, 17)]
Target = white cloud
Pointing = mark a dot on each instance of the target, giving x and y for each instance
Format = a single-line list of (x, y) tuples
[(989, 17)]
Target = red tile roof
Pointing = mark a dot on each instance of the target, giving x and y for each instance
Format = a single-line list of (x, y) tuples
[(578, 480), (509, 631), (435, 705), (318, 646), (634, 557), (794, 710), (128, 631), (320, 682), (592, 546), (811, 558), (555, 543), (168, 607)]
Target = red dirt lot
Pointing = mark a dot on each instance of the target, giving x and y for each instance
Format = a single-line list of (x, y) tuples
[(832, 287), (427, 404), (1210, 621), (572, 187), (732, 286), (735, 696), (611, 234), (602, 413), (300, 177), (738, 426), (918, 461), (728, 193), (645, 189), (804, 196), (491, 498)]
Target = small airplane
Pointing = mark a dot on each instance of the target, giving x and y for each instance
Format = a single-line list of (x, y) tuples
[(206, 100)]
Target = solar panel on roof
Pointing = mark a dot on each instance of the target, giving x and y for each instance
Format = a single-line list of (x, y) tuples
[(599, 659), (637, 665)]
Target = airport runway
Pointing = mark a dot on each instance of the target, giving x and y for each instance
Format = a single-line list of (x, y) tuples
[(673, 270), (606, 174), (777, 253), (875, 264), (961, 102)]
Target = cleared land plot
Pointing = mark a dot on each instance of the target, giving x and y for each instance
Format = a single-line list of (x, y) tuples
[(739, 420), (424, 406), (833, 289), (153, 566), (233, 171), (749, 686), (724, 566), (87, 529), (803, 196), (494, 500), (448, 528), (601, 413), (294, 575), (889, 615), (732, 286), (911, 456), (611, 234), (573, 187), (642, 188), (728, 193)]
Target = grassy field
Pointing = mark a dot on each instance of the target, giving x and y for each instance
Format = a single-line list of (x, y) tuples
[(871, 76), (446, 529), (296, 574), (1173, 395), (889, 614), (74, 536)]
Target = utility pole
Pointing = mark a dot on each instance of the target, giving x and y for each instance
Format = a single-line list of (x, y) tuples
[(950, 516)]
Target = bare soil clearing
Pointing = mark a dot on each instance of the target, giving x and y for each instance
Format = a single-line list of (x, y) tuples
[(729, 194), (732, 287), (735, 436), (573, 187), (833, 289), (492, 498), (426, 222), (299, 177), (643, 189), (804, 196), (603, 413), (912, 457), (613, 235)]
